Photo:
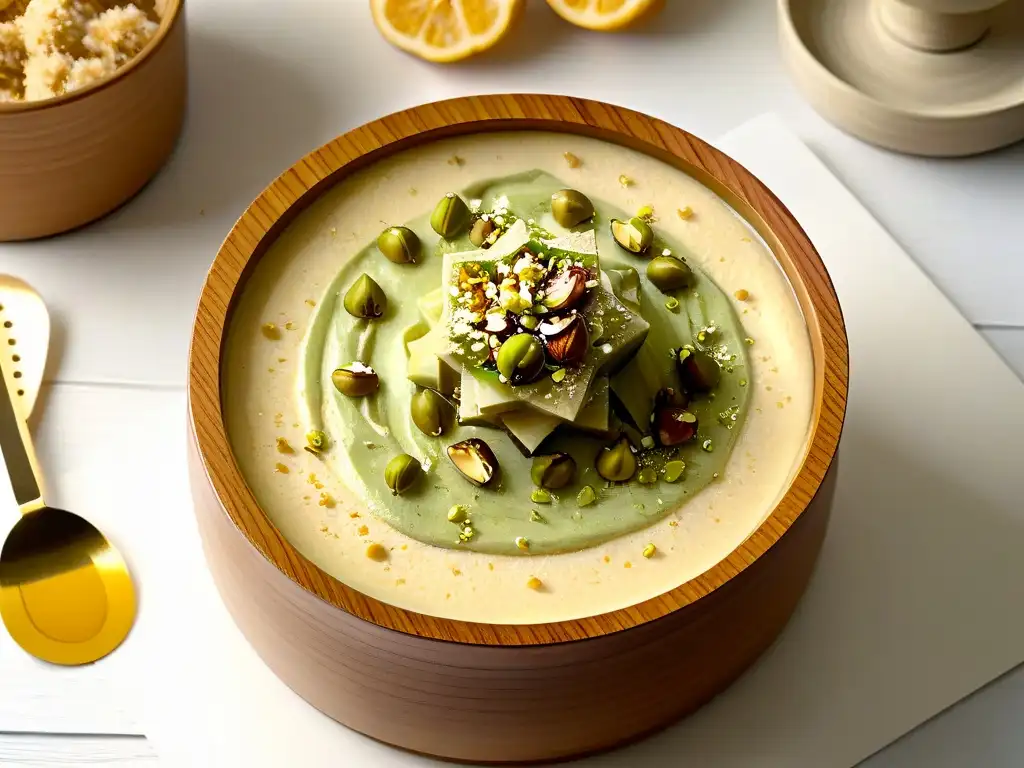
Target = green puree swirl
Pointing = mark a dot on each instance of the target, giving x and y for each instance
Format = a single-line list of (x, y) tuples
[(365, 433)]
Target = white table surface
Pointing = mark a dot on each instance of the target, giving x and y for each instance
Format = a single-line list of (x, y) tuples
[(268, 86)]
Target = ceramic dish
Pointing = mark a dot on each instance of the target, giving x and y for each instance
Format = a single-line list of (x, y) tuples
[(69, 160), (563, 616)]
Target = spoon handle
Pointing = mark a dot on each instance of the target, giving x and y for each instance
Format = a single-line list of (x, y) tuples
[(16, 445)]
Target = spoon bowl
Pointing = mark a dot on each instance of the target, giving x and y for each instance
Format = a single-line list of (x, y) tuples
[(65, 594)]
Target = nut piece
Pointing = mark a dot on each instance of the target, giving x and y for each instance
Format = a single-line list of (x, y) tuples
[(482, 229), (520, 359), (399, 244), (317, 441), (401, 473), (458, 513), (674, 470), (522, 544), (673, 425), (667, 273), (571, 208), (475, 460), (450, 216), (365, 298), (698, 371), (377, 552), (553, 471), (534, 583), (570, 345), (430, 412), (355, 380), (616, 462), (566, 289), (634, 235), (649, 551)]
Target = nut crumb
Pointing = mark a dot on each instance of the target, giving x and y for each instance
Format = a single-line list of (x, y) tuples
[(685, 213), (271, 331), (534, 583), (362, 530), (310, 303), (625, 181), (326, 500), (607, 559), (405, 547), (283, 446), (649, 551), (627, 564), (490, 566), (279, 467), (399, 582), (456, 160), (673, 523), (377, 552), (289, 326), (742, 294), (456, 572), (353, 515), (571, 160)]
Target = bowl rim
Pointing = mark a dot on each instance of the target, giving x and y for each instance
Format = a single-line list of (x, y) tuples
[(167, 23), (294, 190)]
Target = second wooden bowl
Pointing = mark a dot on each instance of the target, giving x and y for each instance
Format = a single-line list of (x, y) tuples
[(67, 161), (509, 693)]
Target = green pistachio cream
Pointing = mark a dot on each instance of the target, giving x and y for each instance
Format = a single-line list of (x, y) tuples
[(576, 391)]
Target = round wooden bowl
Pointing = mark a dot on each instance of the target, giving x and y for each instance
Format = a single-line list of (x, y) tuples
[(508, 693), (67, 161)]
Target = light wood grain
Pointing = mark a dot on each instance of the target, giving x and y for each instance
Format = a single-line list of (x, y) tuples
[(488, 692), (68, 161)]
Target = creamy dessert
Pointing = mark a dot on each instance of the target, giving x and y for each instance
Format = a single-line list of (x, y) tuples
[(517, 378)]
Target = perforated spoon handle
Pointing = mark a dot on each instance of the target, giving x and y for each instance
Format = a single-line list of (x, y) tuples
[(18, 451)]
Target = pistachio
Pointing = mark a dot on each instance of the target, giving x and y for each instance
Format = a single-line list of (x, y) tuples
[(520, 359), (534, 583), (566, 289), (481, 230), (540, 496), (553, 471), (649, 551), (475, 460), (458, 513), (673, 425), (365, 298), (585, 497), (634, 235), (667, 273), (674, 470), (400, 245), (450, 216), (317, 440), (647, 476), (698, 371), (529, 322), (355, 380), (430, 412), (376, 552), (616, 462), (570, 345), (571, 208), (401, 473), (522, 544)]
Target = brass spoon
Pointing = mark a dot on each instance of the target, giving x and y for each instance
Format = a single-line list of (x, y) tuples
[(24, 338), (66, 595)]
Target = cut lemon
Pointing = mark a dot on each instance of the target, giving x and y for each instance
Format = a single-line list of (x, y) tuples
[(444, 30), (605, 15)]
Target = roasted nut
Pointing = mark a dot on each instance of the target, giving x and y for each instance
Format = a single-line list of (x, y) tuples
[(571, 208), (553, 471), (430, 412), (616, 462), (566, 289), (667, 273), (355, 380), (317, 441), (399, 244), (475, 460), (570, 345), (365, 298), (481, 230), (450, 216), (401, 473), (520, 359), (499, 323), (634, 235), (673, 425), (698, 371)]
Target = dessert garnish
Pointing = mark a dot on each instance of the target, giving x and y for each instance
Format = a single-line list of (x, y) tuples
[(355, 380), (475, 460), (616, 463), (365, 298), (399, 245), (401, 473), (669, 273), (430, 412), (634, 235), (450, 217), (553, 471), (571, 208)]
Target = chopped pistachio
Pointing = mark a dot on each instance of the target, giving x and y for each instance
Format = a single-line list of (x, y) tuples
[(707, 445), (522, 544), (540, 496), (648, 476), (685, 212), (742, 294), (743, 382), (625, 181), (317, 440), (571, 160), (749, 341), (536, 516), (586, 496), (279, 467), (646, 212), (674, 470), (458, 513), (672, 304), (534, 583), (362, 530), (326, 500), (283, 446), (649, 551), (558, 375), (377, 552), (271, 331)]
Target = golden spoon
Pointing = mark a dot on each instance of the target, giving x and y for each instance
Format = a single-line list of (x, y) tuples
[(66, 595), (24, 338)]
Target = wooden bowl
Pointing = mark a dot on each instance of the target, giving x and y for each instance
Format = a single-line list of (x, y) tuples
[(508, 693), (67, 161)]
